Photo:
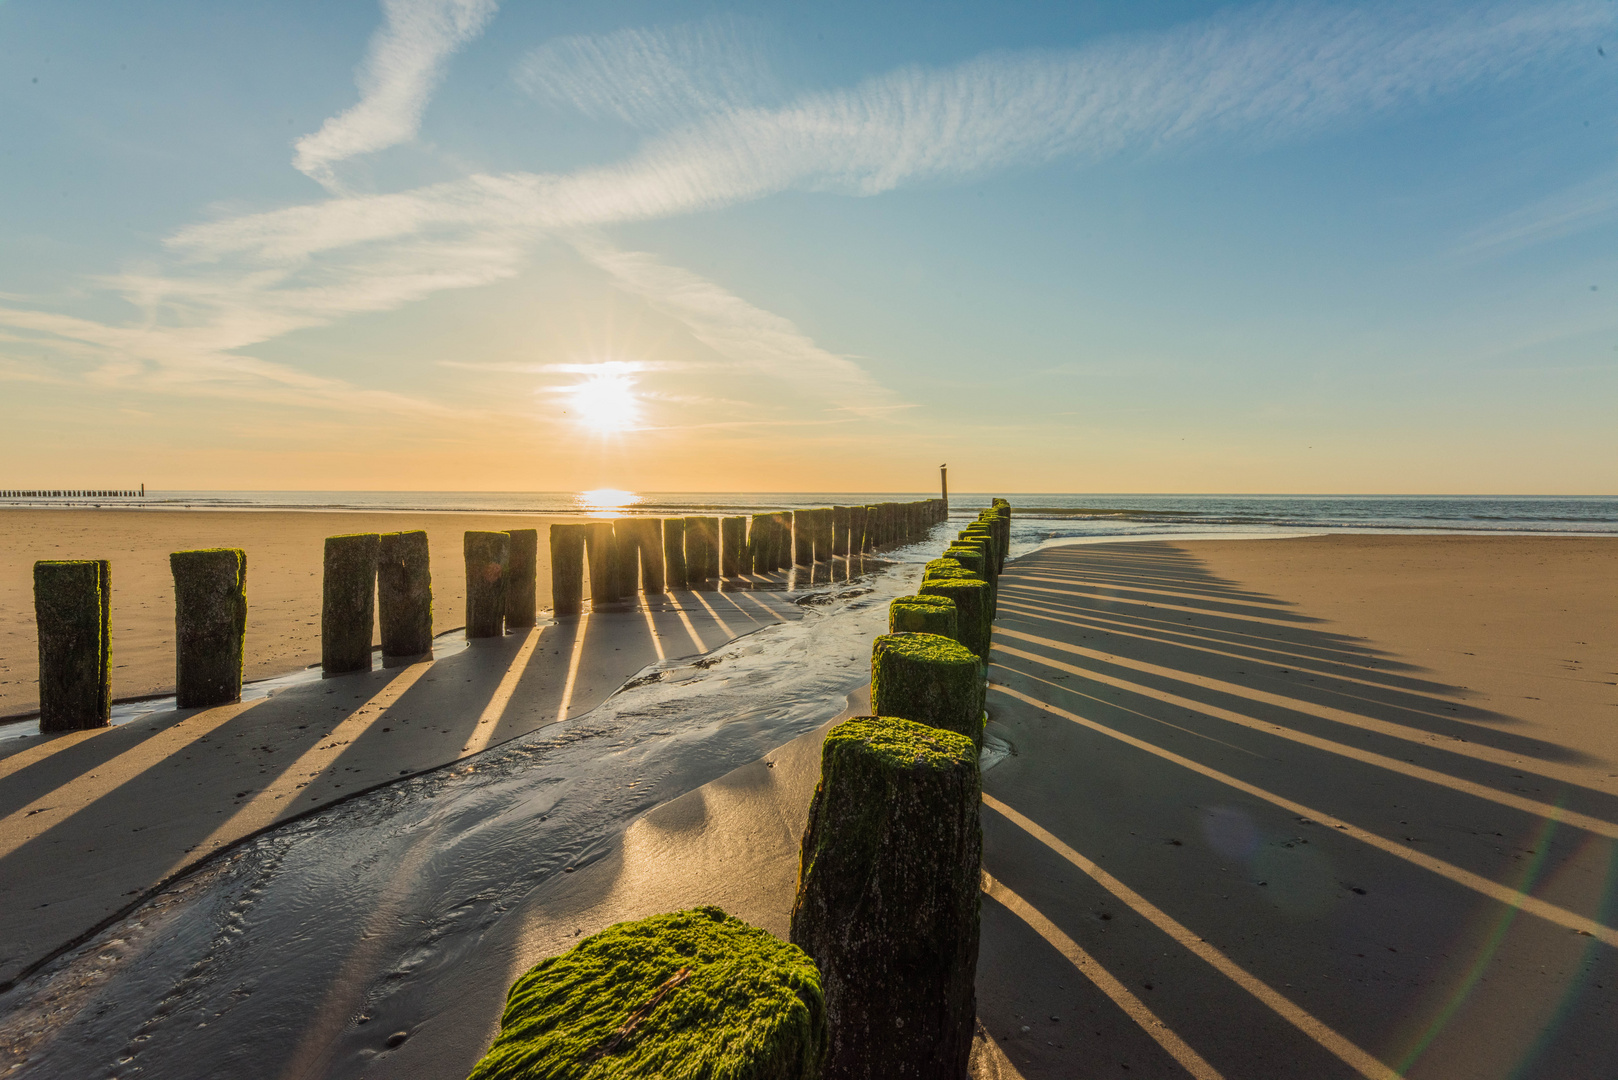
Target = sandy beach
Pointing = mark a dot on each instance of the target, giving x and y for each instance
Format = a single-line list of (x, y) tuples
[(284, 550), (1337, 806)]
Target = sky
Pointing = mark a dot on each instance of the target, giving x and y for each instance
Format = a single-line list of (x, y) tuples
[(1087, 247)]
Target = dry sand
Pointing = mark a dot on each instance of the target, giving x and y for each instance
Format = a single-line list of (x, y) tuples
[(284, 550)]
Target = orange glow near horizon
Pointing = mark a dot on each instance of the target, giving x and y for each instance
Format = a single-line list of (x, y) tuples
[(606, 502)]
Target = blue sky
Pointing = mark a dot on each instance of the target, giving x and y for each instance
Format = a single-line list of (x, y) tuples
[(1064, 247)]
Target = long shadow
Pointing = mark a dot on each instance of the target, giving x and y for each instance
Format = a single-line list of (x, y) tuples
[(1374, 941)]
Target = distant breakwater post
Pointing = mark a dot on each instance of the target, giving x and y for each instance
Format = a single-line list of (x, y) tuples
[(73, 493), (210, 626), (72, 615), (891, 859)]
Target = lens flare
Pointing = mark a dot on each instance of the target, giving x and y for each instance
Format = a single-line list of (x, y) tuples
[(605, 402)]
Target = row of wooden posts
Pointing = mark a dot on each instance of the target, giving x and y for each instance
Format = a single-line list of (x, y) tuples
[(878, 981), (386, 578), (95, 493), (658, 554)]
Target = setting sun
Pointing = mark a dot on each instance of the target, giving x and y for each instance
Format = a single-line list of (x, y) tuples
[(605, 402)]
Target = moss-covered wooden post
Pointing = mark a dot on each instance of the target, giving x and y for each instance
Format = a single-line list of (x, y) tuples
[(348, 603), (686, 994), (567, 569), (72, 616), (701, 548), (887, 901), (783, 541), (975, 607), (488, 557), (856, 530), (404, 593), (923, 615), (210, 626), (759, 557), (626, 557), (522, 579), (825, 528), (598, 549), (674, 569), (732, 544), (930, 679)]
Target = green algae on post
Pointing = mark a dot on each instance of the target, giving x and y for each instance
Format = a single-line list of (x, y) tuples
[(975, 602), (690, 995), (488, 555), (348, 602), (923, 615), (887, 901), (72, 617), (930, 679), (522, 579), (404, 594), (674, 572), (567, 569), (210, 626)]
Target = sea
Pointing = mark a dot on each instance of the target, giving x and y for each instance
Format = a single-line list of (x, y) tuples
[(1051, 515)]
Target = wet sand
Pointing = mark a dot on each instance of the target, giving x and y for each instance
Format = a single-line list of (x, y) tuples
[(1269, 812), (284, 551)]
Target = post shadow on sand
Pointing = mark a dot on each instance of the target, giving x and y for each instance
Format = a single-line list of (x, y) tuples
[(183, 798), (1360, 938)]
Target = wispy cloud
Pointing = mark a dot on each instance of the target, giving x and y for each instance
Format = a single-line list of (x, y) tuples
[(653, 78), (1588, 204), (742, 333), (401, 69)]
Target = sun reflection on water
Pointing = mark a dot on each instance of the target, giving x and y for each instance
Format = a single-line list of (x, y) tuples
[(605, 502)]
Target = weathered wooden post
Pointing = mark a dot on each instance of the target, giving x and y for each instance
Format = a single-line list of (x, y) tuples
[(598, 548), (856, 530), (732, 543), (741, 1004), (923, 615), (674, 568), (72, 614), (567, 569), (823, 533), (759, 541), (701, 548), (930, 679), (348, 603), (522, 579), (488, 556), (803, 537), (783, 540), (887, 902), (841, 518), (649, 538), (625, 554), (974, 604), (210, 626), (404, 593)]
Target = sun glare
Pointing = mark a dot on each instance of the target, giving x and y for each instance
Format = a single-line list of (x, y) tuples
[(605, 402), (606, 502)]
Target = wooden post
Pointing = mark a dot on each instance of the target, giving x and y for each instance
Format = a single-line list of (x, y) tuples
[(707, 995), (404, 594), (856, 530), (649, 538), (760, 543), (598, 545), (72, 609), (732, 545), (923, 615), (701, 549), (522, 579), (674, 568), (348, 603), (930, 679), (210, 626), (567, 569), (488, 556), (887, 902), (840, 521)]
